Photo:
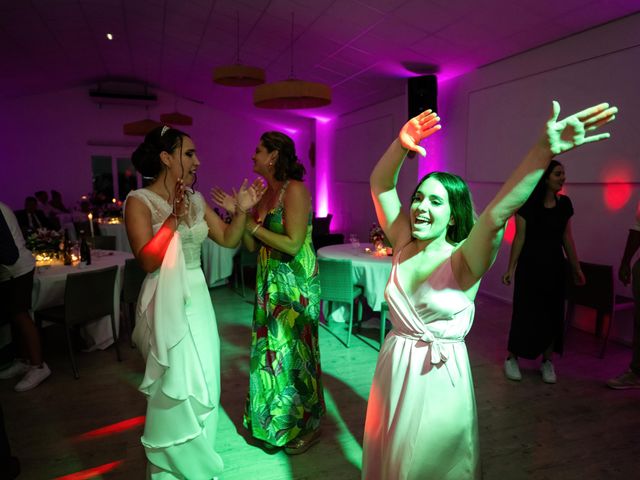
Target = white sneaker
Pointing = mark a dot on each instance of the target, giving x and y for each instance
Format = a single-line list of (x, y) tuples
[(18, 367), (548, 372), (511, 369), (34, 377)]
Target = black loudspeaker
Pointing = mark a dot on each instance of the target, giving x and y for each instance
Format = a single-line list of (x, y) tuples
[(422, 93)]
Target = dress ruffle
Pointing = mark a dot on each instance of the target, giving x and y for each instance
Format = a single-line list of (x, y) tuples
[(175, 331)]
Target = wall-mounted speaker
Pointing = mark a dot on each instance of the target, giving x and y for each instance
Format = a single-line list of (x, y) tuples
[(422, 93)]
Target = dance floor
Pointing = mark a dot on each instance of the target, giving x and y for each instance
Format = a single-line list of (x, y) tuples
[(576, 429)]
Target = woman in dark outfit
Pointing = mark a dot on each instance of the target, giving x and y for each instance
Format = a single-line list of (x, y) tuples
[(543, 231)]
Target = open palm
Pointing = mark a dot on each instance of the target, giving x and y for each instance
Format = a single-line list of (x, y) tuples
[(417, 129), (571, 132)]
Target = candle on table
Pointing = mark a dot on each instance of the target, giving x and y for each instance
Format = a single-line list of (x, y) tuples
[(90, 215)]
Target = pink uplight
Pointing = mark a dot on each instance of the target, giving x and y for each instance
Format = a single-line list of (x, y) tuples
[(113, 428), (616, 195), (617, 187), (94, 472)]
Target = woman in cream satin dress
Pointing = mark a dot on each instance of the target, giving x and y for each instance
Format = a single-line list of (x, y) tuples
[(421, 418)]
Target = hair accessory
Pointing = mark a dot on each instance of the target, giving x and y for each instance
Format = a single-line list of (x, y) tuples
[(164, 130)]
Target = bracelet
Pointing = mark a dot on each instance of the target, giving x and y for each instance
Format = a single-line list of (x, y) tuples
[(239, 208), (254, 229)]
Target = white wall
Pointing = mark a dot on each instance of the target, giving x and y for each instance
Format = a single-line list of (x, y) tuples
[(600, 231), (361, 137), (45, 142)]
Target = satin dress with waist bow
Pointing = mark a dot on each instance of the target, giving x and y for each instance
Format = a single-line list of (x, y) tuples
[(421, 417)]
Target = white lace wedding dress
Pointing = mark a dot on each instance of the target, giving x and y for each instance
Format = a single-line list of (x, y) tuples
[(177, 334)]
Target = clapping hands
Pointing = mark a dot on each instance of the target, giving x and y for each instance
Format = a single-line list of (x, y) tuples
[(571, 132), (417, 129), (244, 199)]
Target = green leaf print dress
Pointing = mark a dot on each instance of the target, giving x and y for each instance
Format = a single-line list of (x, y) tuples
[(285, 396)]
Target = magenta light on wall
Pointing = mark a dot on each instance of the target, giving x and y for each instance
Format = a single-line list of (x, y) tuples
[(324, 148), (617, 184)]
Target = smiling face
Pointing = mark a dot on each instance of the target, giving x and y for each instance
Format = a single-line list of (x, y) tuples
[(184, 167), (556, 179), (263, 161), (430, 211)]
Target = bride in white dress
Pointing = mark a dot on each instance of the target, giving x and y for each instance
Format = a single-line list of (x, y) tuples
[(421, 417), (175, 323)]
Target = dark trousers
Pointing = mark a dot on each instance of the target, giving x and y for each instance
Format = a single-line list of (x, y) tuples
[(635, 346)]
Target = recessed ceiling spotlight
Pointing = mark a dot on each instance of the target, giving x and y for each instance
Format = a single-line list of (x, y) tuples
[(109, 36)]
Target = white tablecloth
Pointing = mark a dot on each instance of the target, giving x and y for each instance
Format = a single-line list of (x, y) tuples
[(119, 231), (217, 262), (370, 272), (48, 291)]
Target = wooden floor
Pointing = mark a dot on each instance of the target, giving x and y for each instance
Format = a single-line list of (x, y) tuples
[(576, 429)]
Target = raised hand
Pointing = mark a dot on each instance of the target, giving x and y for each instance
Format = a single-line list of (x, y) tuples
[(571, 132), (248, 196), (180, 200), (417, 129), (223, 199)]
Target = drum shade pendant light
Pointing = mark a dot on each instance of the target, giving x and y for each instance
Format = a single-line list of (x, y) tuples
[(292, 94), (141, 127), (176, 118), (238, 75)]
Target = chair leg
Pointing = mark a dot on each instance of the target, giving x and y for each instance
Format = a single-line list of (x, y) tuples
[(115, 336), (132, 323), (242, 279), (606, 336), (70, 348), (350, 324), (383, 325)]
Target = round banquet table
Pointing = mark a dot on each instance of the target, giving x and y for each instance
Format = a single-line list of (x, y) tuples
[(371, 272), (49, 285), (217, 262), (119, 231)]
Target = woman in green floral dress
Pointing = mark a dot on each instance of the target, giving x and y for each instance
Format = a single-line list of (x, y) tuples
[(285, 399)]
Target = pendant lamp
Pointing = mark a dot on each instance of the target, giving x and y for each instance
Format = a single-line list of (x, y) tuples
[(292, 94), (238, 75), (140, 128), (176, 118)]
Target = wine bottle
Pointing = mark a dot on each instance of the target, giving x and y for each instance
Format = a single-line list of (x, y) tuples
[(85, 251), (66, 253)]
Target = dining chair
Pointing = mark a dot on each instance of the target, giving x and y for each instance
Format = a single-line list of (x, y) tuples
[(598, 294), (104, 242), (336, 285), (244, 258), (88, 296), (384, 309), (134, 275)]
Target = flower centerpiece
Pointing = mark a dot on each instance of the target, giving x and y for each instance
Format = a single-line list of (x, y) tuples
[(376, 236), (45, 245)]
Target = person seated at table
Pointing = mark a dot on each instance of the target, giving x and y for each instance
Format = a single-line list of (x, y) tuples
[(176, 331), (50, 212), (285, 379), (16, 284), (421, 416), (56, 202), (31, 218)]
